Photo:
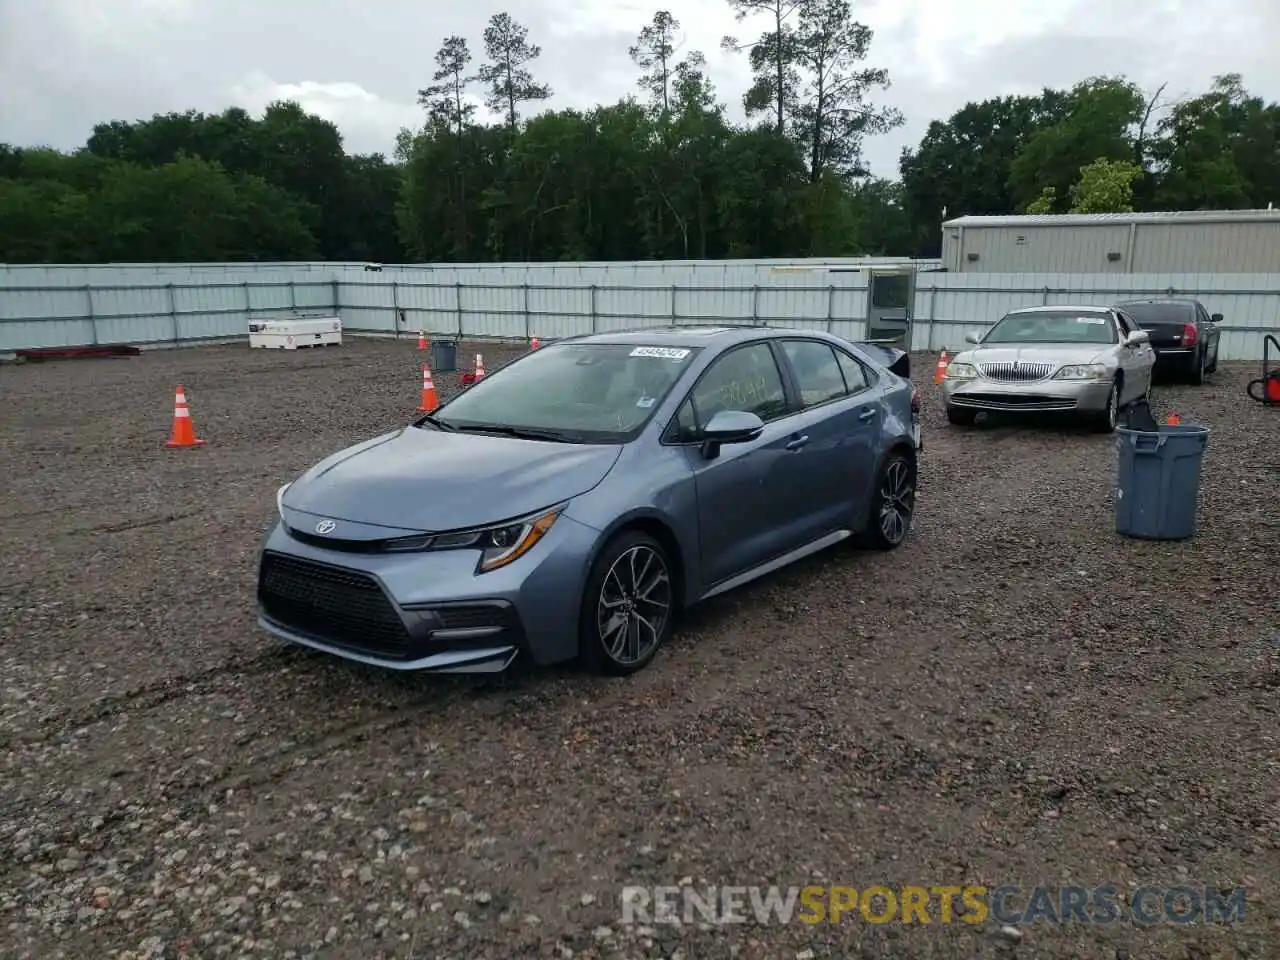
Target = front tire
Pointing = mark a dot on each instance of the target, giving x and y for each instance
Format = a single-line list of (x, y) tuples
[(628, 605), (961, 417), (1110, 416), (893, 503)]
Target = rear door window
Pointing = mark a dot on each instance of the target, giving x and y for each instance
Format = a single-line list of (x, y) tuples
[(816, 369)]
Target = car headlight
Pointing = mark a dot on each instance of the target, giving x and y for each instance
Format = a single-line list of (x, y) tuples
[(1082, 371), (502, 544), (280, 499), (961, 371)]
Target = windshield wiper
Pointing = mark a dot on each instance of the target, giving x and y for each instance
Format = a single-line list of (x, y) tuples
[(520, 433), (439, 424)]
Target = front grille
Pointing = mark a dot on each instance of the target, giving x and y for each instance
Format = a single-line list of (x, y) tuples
[(334, 543), (1012, 401), (406, 544), (344, 607), (1016, 372)]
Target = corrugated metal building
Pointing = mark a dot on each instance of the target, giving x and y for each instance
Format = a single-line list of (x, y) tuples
[(1193, 241)]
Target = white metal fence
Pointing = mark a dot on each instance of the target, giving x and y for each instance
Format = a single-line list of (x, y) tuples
[(158, 305)]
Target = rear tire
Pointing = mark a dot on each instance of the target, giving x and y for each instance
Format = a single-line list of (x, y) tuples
[(961, 417), (1196, 374), (628, 605), (893, 503)]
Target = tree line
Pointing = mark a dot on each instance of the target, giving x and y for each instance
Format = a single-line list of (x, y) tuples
[(662, 174)]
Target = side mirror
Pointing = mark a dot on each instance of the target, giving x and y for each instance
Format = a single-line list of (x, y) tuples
[(729, 426), (1138, 336), (1215, 317), (972, 338)]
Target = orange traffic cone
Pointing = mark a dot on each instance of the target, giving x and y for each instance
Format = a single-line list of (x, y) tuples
[(941, 370), (1174, 420), (184, 431), (534, 344), (422, 340), (479, 367), (429, 399)]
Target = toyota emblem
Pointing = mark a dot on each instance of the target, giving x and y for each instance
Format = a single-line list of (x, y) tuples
[(325, 527)]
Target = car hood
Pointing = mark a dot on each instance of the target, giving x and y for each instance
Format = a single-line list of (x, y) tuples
[(429, 480), (1055, 353)]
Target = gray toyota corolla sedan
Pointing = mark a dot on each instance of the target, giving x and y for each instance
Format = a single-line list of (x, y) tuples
[(573, 502)]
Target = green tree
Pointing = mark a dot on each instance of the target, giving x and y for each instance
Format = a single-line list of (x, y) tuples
[(654, 53), (506, 44), (1220, 150), (445, 99), (834, 115), (1099, 120), (772, 56), (192, 209), (1105, 186), (962, 165)]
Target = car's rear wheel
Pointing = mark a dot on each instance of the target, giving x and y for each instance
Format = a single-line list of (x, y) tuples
[(893, 503), (961, 417), (1198, 365), (628, 605)]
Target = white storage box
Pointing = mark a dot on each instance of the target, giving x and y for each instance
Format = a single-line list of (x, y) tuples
[(294, 333)]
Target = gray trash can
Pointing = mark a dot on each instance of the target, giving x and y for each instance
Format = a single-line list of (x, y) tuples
[(444, 356), (1159, 481)]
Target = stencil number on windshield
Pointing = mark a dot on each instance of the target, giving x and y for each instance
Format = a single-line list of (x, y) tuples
[(661, 353)]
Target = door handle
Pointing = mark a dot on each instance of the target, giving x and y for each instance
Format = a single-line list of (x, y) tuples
[(797, 442), (867, 414)]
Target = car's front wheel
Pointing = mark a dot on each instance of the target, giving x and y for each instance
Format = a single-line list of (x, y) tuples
[(627, 606), (1105, 421), (960, 416), (893, 503)]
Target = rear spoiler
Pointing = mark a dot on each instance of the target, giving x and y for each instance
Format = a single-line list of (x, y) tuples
[(899, 361)]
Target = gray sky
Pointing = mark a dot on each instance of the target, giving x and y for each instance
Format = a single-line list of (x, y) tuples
[(67, 64)]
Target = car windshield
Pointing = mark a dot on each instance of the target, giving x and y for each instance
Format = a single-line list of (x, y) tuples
[(1065, 326), (1154, 313), (571, 392)]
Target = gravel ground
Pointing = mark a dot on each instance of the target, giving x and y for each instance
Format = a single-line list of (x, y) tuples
[(1016, 696)]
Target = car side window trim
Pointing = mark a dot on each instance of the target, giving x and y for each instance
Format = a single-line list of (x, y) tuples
[(781, 353), (869, 375), (670, 434)]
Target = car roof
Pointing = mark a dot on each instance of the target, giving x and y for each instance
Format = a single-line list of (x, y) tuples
[(692, 335), (1060, 307)]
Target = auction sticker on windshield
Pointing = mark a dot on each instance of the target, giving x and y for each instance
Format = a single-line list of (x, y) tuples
[(1096, 321), (661, 353)]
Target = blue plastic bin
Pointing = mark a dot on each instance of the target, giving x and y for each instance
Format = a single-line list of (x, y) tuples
[(1158, 481), (444, 356)]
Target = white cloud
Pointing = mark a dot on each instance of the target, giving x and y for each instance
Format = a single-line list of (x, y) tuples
[(364, 117)]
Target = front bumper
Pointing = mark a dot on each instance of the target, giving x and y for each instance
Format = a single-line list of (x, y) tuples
[(1082, 396), (426, 611)]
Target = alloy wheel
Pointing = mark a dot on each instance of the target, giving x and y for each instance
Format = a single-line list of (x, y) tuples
[(1113, 406), (897, 500), (634, 605)]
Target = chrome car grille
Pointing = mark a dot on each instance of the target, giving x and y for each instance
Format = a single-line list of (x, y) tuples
[(1019, 371)]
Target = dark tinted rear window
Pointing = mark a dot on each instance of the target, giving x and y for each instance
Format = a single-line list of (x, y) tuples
[(1146, 313)]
